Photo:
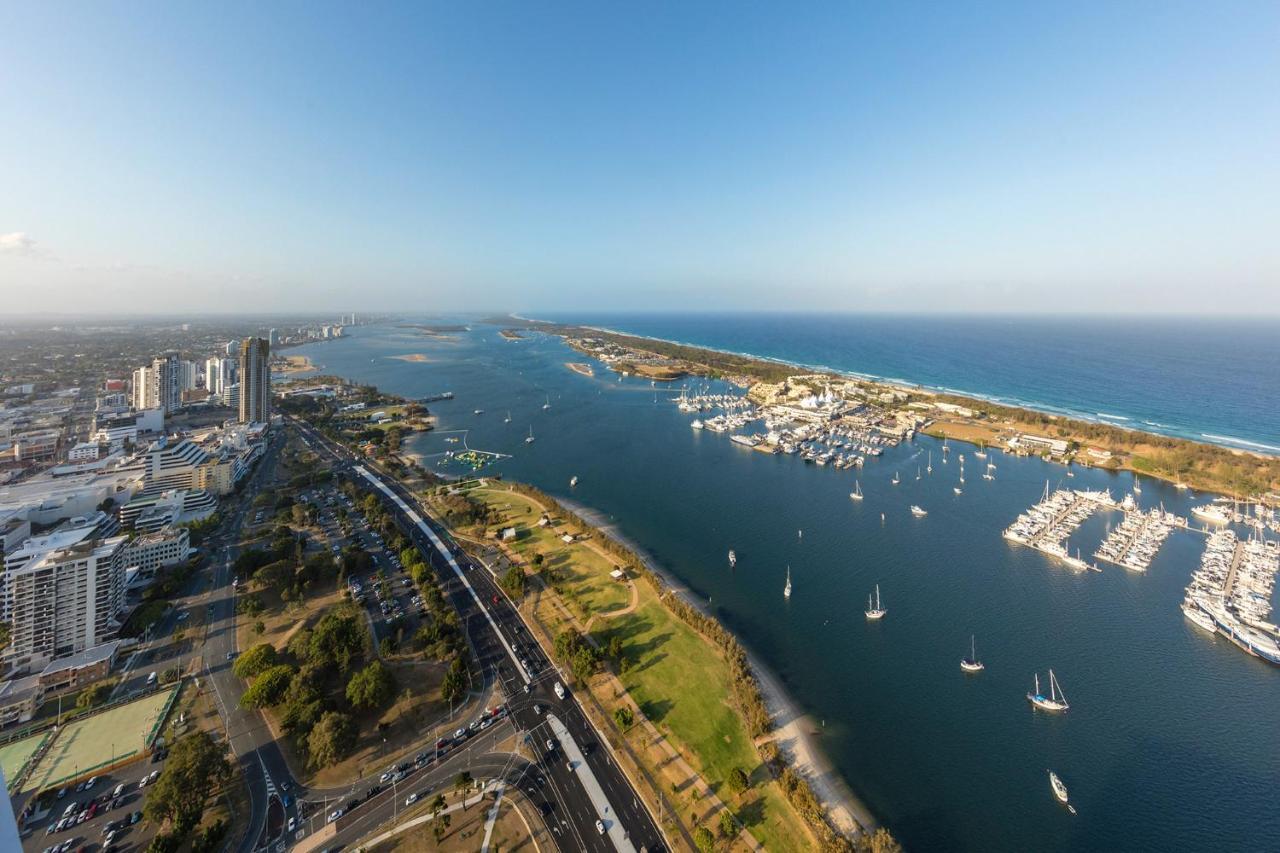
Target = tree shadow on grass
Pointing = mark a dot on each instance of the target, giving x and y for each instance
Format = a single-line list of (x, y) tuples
[(656, 710)]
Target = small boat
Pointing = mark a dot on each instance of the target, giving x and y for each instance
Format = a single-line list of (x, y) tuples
[(929, 468), (957, 490), (1137, 485), (1055, 701), (507, 419), (547, 404), (786, 590), (573, 481), (917, 472), (971, 663), (878, 611), (895, 479), (733, 558), (981, 452), (1059, 791), (856, 494), (918, 511), (529, 437)]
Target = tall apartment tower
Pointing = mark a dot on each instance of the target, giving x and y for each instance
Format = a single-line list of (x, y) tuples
[(255, 381), (160, 385)]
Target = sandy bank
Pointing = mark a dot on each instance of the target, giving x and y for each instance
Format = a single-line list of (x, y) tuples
[(415, 357)]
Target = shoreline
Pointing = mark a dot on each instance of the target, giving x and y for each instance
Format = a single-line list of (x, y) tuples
[(1140, 451), (1122, 422), (792, 728)]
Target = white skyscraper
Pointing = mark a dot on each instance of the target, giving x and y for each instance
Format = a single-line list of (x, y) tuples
[(218, 374), (233, 348), (160, 385)]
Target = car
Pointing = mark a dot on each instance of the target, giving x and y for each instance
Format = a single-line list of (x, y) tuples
[(109, 839), (420, 758), (334, 815), (551, 745), (411, 799), (116, 803), (537, 709), (80, 787), (293, 824), (62, 793), (134, 818), (155, 774), (231, 655), (118, 791), (459, 734), (385, 777), (568, 765), (600, 827), (69, 810), (484, 724)]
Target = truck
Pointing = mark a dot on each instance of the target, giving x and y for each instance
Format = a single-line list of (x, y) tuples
[(559, 689)]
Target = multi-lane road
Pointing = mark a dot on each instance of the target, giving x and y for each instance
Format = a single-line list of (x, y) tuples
[(585, 798)]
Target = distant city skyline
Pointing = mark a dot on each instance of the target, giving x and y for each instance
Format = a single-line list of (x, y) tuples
[(574, 157)]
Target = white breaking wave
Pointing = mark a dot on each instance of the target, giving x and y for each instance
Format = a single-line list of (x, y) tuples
[(1241, 442), (1111, 417)]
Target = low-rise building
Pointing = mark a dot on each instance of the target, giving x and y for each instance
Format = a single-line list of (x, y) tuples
[(19, 699), (153, 551), (75, 671)]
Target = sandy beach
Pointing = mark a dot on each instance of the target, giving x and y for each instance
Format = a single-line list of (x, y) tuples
[(793, 731), (414, 357)]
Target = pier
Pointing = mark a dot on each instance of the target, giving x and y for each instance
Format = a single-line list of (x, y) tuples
[(1237, 557), (1047, 525), (1137, 539)]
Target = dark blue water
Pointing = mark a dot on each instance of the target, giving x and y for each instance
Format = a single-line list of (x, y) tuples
[(1171, 743), (1209, 379)]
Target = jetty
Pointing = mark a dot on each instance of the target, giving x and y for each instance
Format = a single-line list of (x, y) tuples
[(1230, 594), (1047, 525), (435, 398), (1137, 539)]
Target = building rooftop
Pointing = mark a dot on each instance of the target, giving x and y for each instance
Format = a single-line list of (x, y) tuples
[(88, 657)]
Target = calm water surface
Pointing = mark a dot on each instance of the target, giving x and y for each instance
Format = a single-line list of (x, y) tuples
[(1173, 738)]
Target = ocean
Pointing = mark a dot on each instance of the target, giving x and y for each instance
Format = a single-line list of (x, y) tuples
[(1215, 380), (1170, 743)]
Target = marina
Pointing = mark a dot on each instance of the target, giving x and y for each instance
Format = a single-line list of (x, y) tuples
[(1134, 542), (1232, 591), (1047, 525)]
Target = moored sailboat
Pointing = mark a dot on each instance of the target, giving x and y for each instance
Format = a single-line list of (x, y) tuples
[(856, 494), (1055, 701), (878, 611), (971, 663)]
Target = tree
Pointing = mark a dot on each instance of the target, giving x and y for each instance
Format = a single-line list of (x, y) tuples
[(461, 783), (268, 688), (331, 739), (623, 717), (92, 695), (880, 841), (338, 638), (440, 826), (255, 661), (728, 826), (738, 780), (372, 687), (454, 686), (704, 840), (196, 767), (513, 581)]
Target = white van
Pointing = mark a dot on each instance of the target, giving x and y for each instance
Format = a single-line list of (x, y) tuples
[(151, 679)]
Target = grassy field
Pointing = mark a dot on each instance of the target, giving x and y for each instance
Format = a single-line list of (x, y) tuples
[(98, 739), (677, 679), (580, 569), (14, 756)]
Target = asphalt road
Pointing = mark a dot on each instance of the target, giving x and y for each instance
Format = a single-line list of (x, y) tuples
[(501, 641)]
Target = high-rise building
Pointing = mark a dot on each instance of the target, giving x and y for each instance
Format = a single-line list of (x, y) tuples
[(273, 338), (160, 385), (255, 381), (63, 597), (188, 373), (218, 374), (233, 348)]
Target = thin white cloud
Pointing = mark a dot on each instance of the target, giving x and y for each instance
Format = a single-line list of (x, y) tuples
[(17, 243)]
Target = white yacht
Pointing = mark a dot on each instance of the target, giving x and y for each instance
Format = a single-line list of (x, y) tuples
[(856, 494), (573, 481), (1060, 791), (1055, 701), (878, 611), (1212, 512), (786, 590), (733, 558), (529, 438), (918, 511), (507, 419)]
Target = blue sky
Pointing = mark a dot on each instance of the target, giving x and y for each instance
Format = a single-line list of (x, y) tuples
[(526, 156)]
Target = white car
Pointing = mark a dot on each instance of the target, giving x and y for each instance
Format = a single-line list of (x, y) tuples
[(293, 824), (411, 799), (334, 815), (600, 827), (551, 745)]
